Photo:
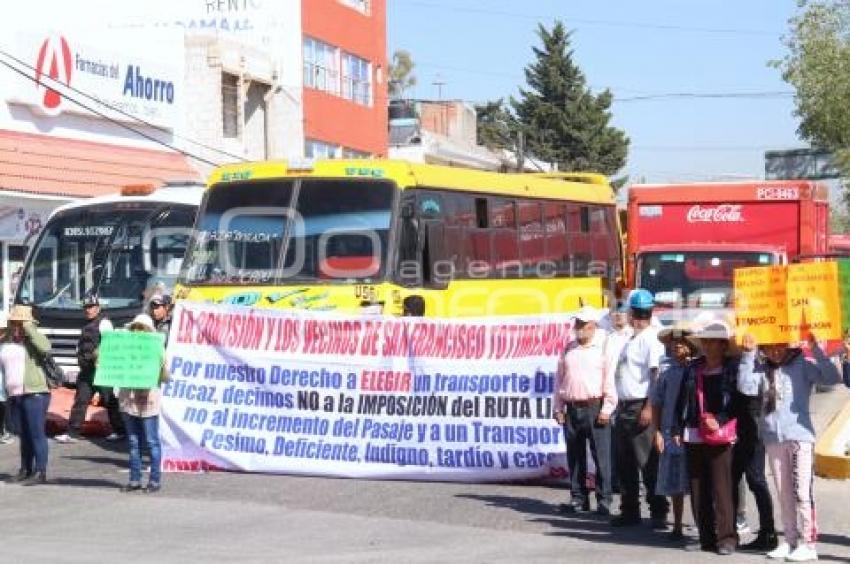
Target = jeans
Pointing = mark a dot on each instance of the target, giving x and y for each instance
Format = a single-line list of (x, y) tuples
[(147, 427), (636, 458), (29, 412), (580, 429), (82, 398)]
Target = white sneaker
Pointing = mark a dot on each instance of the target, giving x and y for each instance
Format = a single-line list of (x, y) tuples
[(780, 552), (112, 437), (64, 438), (741, 526), (803, 553), (7, 439)]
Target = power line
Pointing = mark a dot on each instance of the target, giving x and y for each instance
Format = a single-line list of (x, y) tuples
[(607, 23), (122, 112), (697, 95)]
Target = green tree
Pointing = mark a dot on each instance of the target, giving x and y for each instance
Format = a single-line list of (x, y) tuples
[(401, 74), (563, 121), (818, 67), (496, 126)]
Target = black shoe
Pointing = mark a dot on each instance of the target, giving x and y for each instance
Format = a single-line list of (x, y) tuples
[(573, 508), (658, 523), (153, 488), (21, 476), (131, 487), (603, 511), (726, 550), (764, 542), (36, 479), (625, 521), (675, 535)]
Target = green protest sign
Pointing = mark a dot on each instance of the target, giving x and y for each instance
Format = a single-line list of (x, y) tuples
[(129, 359), (844, 292)]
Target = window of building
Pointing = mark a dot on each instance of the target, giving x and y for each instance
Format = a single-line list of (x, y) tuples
[(356, 81), (362, 6), (230, 105), (320, 150), (321, 66), (354, 154)]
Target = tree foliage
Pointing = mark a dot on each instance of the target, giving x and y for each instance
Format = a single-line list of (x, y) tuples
[(563, 121), (496, 126), (401, 75), (818, 67)]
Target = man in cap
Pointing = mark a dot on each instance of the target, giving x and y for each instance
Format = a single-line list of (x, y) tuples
[(584, 401), (87, 349), (636, 373), (159, 308)]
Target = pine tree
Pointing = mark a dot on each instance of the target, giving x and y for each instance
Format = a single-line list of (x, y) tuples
[(563, 121)]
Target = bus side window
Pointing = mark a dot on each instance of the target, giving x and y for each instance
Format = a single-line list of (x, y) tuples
[(578, 227), (531, 236), (557, 253), (504, 258)]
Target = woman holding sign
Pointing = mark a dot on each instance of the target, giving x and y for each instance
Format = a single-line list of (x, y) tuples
[(140, 409), (26, 387), (785, 379)]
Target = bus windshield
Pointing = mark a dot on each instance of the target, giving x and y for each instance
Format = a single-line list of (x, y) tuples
[(695, 279), (119, 251), (279, 231)]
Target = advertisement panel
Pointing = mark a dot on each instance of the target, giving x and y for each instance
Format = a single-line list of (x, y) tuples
[(767, 223), (121, 69)]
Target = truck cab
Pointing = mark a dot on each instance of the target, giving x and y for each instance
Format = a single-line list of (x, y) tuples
[(695, 280)]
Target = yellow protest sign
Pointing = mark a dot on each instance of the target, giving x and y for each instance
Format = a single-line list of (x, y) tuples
[(761, 303), (813, 301)]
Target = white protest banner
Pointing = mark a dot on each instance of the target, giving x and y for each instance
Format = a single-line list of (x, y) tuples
[(301, 392)]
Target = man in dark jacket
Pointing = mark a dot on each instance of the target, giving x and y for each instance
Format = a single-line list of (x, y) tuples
[(87, 349)]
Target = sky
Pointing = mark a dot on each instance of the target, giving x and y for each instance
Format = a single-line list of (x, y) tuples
[(479, 48)]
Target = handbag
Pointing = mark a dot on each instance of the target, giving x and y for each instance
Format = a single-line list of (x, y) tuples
[(726, 434)]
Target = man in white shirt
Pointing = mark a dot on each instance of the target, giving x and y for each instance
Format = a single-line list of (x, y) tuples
[(635, 375)]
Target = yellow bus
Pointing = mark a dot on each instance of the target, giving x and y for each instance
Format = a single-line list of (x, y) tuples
[(393, 237)]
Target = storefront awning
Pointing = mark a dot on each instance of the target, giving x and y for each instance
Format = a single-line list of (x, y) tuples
[(40, 164)]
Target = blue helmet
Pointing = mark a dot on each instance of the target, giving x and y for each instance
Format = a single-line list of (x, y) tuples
[(641, 299)]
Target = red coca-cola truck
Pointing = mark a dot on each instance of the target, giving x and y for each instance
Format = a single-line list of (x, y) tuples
[(685, 240)]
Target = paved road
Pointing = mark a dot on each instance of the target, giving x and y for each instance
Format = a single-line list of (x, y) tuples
[(81, 516)]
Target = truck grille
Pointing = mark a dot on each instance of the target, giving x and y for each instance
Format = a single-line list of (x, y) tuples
[(63, 343)]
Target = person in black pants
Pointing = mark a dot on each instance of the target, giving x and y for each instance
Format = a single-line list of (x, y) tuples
[(748, 459), (87, 349)]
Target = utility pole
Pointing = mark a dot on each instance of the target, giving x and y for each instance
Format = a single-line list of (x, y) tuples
[(439, 83)]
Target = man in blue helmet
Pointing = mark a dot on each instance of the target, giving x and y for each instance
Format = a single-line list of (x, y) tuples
[(636, 373)]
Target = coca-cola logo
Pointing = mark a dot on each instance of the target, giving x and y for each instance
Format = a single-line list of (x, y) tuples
[(724, 213)]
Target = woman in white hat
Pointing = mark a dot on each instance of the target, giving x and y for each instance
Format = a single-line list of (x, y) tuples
[(705, 423), (26, 386), (140, 409)]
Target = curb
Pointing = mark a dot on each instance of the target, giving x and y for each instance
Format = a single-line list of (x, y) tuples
[(830, 460)]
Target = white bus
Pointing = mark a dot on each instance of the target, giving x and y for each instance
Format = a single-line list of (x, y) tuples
[(124, 247)]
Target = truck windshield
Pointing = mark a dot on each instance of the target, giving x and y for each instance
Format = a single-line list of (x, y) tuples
[(264, 232), (119, 251), (694, 279)]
